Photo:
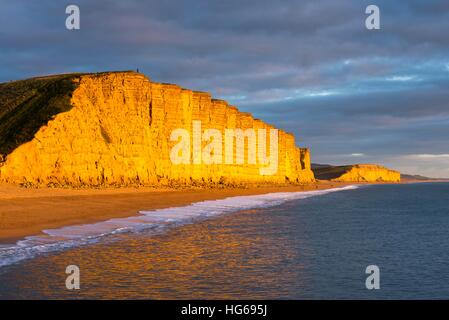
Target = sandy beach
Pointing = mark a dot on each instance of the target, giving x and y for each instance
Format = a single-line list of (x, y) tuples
[(25, 212)]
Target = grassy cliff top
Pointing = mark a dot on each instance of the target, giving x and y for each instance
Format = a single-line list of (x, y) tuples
[(27, 105)]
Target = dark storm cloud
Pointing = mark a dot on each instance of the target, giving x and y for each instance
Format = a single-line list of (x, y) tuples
[(310, 67)]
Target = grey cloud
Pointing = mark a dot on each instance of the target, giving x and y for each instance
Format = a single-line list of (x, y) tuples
[(258, 53)]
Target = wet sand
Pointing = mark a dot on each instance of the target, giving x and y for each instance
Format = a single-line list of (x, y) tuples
[(25, 212)]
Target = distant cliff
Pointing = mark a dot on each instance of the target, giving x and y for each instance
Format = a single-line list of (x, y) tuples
[(356, 173), (114, 128)]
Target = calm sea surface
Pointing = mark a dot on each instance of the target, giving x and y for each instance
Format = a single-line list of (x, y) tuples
[(310, 248)]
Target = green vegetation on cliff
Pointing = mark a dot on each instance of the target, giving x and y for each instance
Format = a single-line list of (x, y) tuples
[(27, 105)]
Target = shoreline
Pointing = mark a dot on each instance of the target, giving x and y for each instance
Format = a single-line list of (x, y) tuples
[(26, 212)]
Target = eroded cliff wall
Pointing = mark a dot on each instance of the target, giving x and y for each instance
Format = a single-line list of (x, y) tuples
[(115, 130), (358, 173)]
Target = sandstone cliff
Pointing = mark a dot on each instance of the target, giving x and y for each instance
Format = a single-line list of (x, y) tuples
[(114, 128), (357, 173)]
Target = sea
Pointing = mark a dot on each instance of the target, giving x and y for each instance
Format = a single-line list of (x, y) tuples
[(321, 244)]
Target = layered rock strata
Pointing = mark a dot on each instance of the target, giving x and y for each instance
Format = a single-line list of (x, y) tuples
[(357, 173), (115, 128)]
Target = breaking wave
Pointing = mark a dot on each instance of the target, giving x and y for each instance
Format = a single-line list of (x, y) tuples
[(147, 221)]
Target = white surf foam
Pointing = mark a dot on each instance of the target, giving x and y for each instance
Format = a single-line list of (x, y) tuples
[(66, 237)]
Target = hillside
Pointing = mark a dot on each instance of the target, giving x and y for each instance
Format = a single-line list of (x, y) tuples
[(27, 105), (417, 177), (356, 173)]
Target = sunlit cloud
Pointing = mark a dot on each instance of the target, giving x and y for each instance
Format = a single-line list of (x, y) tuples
[(428, 156), (401, 78), (319, 93), (357, 154), (237, 98)]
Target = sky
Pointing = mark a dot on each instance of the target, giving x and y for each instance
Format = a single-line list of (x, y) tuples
[(350, 94)]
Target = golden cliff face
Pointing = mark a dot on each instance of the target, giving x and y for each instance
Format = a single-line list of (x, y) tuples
[(117, 131), (358, 173)]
